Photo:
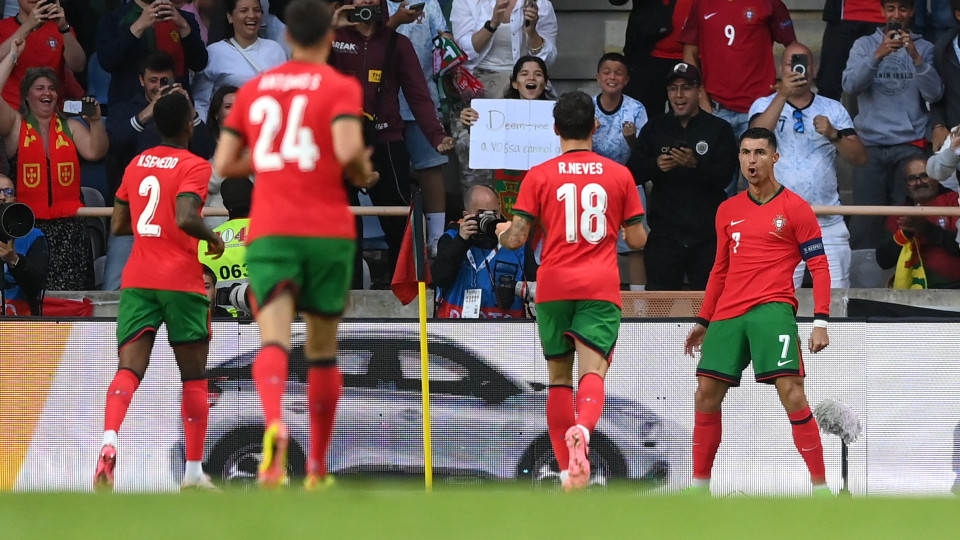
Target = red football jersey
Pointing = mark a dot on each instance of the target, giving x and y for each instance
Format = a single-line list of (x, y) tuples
[(284, 116), (736, 38), (581, 200), (163, 257), (44, 48), (758, 248)]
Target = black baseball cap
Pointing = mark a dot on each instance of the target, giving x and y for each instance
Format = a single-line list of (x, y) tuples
[(685, 71)]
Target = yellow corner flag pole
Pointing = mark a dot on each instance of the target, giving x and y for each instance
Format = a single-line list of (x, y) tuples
[(420, 263)]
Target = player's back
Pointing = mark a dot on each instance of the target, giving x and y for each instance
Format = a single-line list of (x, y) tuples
[(285, 117), (164, 256), (581, 200)]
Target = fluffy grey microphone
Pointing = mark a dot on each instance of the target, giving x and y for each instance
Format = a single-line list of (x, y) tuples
[(838, 419)]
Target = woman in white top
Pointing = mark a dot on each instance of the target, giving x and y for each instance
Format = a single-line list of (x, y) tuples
[(496, 33), (237, 59)]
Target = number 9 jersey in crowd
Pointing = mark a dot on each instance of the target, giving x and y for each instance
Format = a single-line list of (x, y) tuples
[(300, 189), (164, 257), (581, 200)]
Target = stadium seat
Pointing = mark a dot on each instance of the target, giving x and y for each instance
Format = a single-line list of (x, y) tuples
[(97, 232)]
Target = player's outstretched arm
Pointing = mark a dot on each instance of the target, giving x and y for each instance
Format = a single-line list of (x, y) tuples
[(120, 224), (514, 234), (818, 339), (190, 222), (231, 159), (352, 153), (694, 339)]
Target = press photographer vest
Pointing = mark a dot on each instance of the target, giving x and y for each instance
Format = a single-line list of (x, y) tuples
[(18, 303), (48, 181)]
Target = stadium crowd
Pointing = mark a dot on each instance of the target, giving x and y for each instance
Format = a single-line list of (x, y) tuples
[(82, 78)]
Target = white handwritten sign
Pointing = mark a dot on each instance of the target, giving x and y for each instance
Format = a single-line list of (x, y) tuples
[(512, 134)]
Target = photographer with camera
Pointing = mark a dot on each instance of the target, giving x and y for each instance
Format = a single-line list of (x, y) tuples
[(385, 62), (891, 74), (475, 278), (689, 155), (24, 254), (231, 268)]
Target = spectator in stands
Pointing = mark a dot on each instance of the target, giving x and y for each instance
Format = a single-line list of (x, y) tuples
[(127, 34), (25, 262), (528, 81), (236, 59), (199, 12), (731, 41), (945, 113), (847, 21), (421, 26), (652, 48), (496, 33), (384, 62), (220, 106), (50, 42), (944, 164), (619, 117), (474, 278), (923, 248), (688, 156), (933, 18), (811, 130), (47, 148), (891, 73), (130, 125)]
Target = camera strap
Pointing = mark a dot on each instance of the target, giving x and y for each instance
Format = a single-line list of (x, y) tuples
[(484, 263), (256, 67), (384, 77)]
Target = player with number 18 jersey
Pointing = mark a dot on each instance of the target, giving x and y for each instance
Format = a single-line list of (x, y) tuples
[(164, 257), (581, 200), (284, 117)]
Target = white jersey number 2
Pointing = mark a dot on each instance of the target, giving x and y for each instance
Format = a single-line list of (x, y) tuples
[(298, 143), (149, 188), (590, 219)]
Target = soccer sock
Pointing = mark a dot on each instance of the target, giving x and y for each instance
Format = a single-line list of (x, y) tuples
[(324, 382), (806, 436), (270, 376), (194, 410), (119, 394), (560, 416), (436, 221), (707, 431), (589, 401)]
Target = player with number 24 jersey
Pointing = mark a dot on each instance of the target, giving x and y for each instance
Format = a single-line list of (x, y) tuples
[(300, 189), (164, 257), (581, 200)]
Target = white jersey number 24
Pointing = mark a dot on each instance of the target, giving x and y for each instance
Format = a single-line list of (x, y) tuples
[(298, 144)]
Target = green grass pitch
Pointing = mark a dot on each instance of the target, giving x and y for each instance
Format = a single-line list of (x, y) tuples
[(464, 512)]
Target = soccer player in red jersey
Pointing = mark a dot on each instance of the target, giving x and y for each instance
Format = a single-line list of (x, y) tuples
[(750, 306), (582, 201), (162, 192), (302, 124)]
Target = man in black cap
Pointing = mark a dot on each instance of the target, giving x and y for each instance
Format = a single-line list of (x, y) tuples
[(689, 156)]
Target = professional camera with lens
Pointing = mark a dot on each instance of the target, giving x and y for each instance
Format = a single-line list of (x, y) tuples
[(235, 296), (508, 289), (487, 221), (16, 221), (364, 14)]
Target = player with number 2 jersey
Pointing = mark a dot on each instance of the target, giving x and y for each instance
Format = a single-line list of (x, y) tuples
[(582, 201)]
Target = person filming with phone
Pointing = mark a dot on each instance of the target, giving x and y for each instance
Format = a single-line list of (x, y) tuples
[(811, 130), (891, 74), (46, 147), (50, 42), (689, 155)]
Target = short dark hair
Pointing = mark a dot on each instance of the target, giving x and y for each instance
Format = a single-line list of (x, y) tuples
[(158, 61), (172, 114), (207, 271), (513, 93), (308, 21), (612, 57), (574, 115), (954, 5), (760, 133), (908, 3)]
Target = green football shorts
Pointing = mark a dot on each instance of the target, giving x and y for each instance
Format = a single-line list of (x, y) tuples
[(767, 334), (318, 270), (595, 323), (187, 315)]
